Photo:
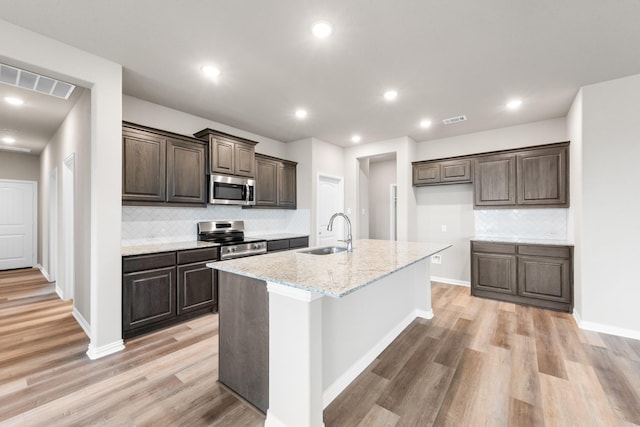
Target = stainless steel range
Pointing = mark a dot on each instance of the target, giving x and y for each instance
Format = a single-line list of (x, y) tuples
[(230, 236)]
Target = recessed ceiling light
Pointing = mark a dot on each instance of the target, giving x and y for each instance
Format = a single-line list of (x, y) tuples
[(210, 71), (13, 101), (390, 95), (301, 114), (8, 140), (322, 29), (356, 138), (425, 123), (514, 104)]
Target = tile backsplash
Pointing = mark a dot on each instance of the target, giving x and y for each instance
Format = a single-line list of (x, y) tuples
[(148, 224), (522, 223)]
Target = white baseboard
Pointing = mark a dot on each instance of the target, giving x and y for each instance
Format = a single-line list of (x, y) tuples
[(59, 292), (605, 329), (450, 281), (97, 352), (82, 322), (425, 314), (361, 364), (44, 272)]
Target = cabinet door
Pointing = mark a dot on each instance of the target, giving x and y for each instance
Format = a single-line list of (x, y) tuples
[(186, 178), (493, 272), (426, 173), (148, 297), (544, 278), (542, 177), (455, 171), (286, 185), (196, 287), (266, 182), (222, 156), (245, 157), (495, 181), (143, 167)]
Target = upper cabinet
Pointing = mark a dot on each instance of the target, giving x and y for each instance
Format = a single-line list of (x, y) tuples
[(275, 183), (523, 178), (442, 172), (162, 167), (229, 155)]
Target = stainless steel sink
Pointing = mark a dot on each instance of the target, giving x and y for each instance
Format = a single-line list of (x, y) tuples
[(326, 250)]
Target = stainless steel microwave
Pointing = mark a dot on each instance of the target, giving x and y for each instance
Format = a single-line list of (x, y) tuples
[(232, 190)]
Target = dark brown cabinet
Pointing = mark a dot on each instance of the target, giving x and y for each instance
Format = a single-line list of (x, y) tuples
[(275, 183), (523, 178), (165, 288), (542, 177), (442, 172), (228, 154), (495, 181), (185, 172), (538, 275), (162, 167), (287, 244)]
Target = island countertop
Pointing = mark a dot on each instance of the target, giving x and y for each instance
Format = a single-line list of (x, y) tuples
[(334, 275)]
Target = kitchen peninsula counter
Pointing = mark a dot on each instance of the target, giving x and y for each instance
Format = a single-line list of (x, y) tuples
[(295, 329)]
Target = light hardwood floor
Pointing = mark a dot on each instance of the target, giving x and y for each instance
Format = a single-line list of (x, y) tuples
[(477, 363)]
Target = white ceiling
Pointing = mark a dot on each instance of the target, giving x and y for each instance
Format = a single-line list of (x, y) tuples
[(445, 58)]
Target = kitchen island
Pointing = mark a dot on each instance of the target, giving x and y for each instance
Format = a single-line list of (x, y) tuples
[(330, 316)]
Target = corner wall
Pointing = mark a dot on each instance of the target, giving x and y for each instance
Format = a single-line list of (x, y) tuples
[(609, 231)]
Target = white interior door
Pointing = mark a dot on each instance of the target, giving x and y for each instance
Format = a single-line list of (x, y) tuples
[(330, 201), (17, 224)]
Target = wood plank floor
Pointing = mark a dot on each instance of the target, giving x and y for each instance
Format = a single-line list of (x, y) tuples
[(477, 363)]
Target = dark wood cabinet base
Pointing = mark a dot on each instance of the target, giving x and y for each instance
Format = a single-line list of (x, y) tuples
[(533, 302)]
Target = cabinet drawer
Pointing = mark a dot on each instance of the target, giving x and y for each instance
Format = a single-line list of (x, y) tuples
[(278, 245), (197, 255), (497, 248), (148, 262), (545, 251), (299, 242)]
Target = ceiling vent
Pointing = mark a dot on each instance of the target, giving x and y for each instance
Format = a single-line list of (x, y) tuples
[(452, 120), (35, 82)]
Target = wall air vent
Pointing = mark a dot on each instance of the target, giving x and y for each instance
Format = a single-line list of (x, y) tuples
[(452, 120), (35, 82)]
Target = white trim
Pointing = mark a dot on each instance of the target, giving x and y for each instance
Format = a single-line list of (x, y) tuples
[(44, 272), (425, 314), (451, 281), (291, 292), (605, 329), (59, 292), (273, 421), (96, 353), (68, 224), (52, 227), (331, 392), (82, 321), (393, 211)]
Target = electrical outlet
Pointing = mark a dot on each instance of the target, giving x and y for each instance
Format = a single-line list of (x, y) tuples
[(444, 228), (436, 259)]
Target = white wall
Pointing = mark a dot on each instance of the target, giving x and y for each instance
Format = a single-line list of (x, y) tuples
[(19, 166), (146, 113), (609, 231), (73, 136), (50, 57), (574, 232), (362, 212), (452, 205), (381, 176)]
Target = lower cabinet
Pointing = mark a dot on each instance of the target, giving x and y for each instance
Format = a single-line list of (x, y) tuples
[(538, 275), (159, 290)]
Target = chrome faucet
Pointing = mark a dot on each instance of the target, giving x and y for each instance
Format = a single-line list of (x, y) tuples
[(349, 241)]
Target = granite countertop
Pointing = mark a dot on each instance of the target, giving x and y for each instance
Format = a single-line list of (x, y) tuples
[(279, 236), (164, 247), (524, 240), (334, 275)]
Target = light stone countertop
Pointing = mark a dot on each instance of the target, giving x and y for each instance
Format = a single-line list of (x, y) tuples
[(165, 247), (334, 275), (279, 236), (523, 240)]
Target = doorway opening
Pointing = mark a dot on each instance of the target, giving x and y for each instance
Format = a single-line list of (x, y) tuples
[(52, 255), (68, 224), (329, 201), (377, 196)]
